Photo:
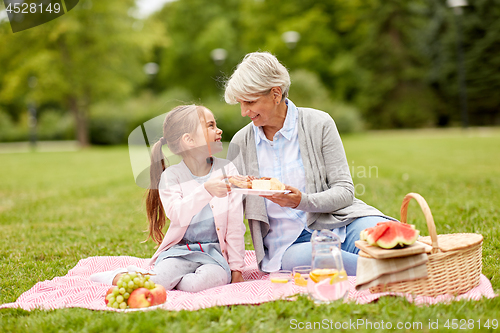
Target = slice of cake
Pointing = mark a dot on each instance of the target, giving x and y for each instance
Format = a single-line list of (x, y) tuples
[(277, 185), (267, 184), (261, 184)]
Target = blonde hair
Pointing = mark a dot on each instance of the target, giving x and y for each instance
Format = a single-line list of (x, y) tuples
[(182, 119), (255, 76)]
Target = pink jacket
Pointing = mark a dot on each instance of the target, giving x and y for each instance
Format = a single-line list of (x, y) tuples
[(183, 197)]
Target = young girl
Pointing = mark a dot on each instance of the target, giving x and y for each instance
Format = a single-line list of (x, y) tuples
[(204, 244)]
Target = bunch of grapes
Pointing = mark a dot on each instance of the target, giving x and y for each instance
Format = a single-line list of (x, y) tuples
[(118, 296)]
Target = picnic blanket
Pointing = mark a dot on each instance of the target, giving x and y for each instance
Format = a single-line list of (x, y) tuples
[(76, 290)]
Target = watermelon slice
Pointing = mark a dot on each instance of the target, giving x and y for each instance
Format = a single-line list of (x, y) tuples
[(374, 236), (390, 234), (371, 235)]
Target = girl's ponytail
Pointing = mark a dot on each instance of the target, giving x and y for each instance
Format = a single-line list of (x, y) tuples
[(182, 119), (154, 208)]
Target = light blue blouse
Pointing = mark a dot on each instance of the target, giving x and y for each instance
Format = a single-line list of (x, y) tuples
[(281, 159)]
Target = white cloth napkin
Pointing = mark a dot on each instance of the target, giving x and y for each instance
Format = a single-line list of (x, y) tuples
[(373, 272)]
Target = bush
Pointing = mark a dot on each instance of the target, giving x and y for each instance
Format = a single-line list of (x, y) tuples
[(53, 125), (347, 118), (9, 131), (307, 90), (108, 130), (406, 107), (111, 122)]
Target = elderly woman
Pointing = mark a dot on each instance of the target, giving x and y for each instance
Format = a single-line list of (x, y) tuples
[(302, 148)]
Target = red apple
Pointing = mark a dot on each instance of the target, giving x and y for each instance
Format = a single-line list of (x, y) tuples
[(159, 295), (110, 290), (140, 298)]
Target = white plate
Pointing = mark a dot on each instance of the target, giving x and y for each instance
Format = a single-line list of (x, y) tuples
[(258, 192)]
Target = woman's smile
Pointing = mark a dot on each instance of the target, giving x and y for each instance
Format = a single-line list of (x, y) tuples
[(262, 111), (267, 111)]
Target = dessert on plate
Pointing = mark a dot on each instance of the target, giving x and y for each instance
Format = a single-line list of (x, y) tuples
[(254, 183)]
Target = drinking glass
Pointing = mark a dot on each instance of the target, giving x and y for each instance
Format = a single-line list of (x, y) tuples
[(281, 283), (301, 275)]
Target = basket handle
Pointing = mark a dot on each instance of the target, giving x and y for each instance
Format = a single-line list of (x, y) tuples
[(427, 213)]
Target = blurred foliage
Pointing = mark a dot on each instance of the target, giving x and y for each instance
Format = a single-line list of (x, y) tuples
[(92, 53), (54, 125), (307, 90), (111, 122), (369, 64), (9, 131), (394, 92), (480, 26)]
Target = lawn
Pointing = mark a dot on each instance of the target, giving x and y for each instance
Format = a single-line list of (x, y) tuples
[(58, 208)]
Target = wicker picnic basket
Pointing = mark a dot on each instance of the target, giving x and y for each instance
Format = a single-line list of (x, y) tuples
[(454, 263)]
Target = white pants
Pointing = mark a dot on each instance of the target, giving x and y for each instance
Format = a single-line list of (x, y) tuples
[(185, 275)]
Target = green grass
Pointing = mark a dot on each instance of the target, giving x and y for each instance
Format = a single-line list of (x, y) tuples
[(58, 208)]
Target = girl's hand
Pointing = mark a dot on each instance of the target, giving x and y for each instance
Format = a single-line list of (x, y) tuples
[(291, 199), (236, 277), (217, 187)]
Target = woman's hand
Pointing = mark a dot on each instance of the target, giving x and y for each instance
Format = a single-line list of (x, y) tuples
[(236, 277), (217, 187), (291, 199)]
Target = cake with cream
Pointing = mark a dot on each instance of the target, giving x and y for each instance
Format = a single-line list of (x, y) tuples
[(268, 184), (264, 183)]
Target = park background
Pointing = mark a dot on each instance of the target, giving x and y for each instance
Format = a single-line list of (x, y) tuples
[(387, 72), (102, 69)]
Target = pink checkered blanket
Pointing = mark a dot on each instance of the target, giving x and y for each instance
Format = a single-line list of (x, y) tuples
[(76, 290)]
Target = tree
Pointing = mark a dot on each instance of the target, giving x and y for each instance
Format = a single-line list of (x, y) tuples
[(91, 53), (195, 28), (481, 45), (393, 92)]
